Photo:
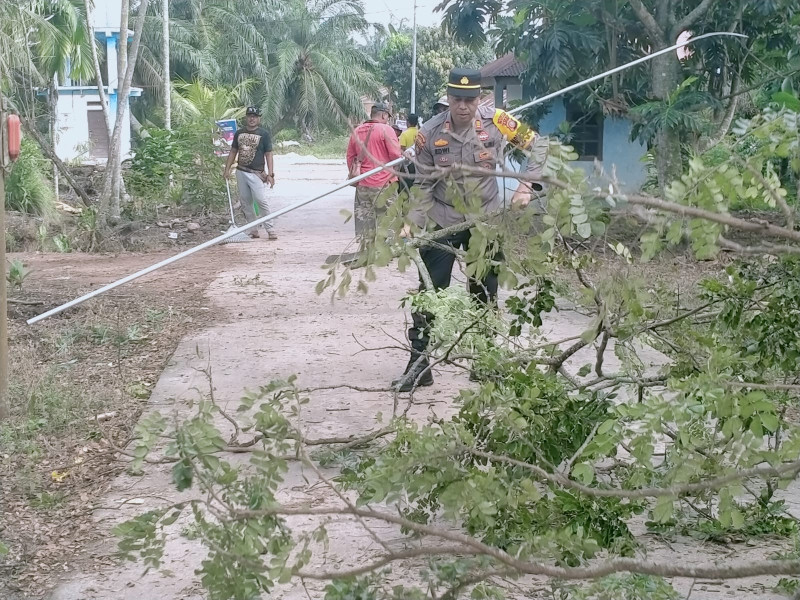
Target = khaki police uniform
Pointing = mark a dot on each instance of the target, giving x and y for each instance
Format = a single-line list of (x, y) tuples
[(440, 151)]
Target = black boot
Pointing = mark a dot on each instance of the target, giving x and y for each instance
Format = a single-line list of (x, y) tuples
[(411, 377)]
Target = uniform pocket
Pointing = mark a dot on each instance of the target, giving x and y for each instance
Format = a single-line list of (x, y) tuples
[(444, 160), (486, 158)]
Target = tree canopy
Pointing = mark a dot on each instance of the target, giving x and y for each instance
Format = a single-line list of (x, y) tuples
[(308, 72), (437, 53), (562, 42)]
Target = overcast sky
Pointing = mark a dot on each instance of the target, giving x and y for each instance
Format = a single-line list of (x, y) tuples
[(392, 11)]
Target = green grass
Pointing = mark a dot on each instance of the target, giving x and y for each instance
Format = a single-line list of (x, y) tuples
[(28, 190), (45, 406), (323, 147)]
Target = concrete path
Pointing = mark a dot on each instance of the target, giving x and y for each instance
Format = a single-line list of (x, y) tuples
[(270, 324)]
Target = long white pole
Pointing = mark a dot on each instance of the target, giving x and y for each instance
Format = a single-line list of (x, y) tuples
[(378, 169), (167, 87), (638, 61), (414, 64), (208, 244)]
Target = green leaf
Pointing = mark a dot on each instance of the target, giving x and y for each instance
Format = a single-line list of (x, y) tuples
[(737, 518), (584, 230), (787, 100), (664, 509), (583, 473), (585, 370), (770, 422), (756, 427), (182, 475), (607, 426)]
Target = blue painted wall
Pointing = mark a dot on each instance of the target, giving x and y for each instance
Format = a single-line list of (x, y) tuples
[(619, 153)]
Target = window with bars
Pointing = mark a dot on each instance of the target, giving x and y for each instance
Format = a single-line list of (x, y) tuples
[(587, 132)]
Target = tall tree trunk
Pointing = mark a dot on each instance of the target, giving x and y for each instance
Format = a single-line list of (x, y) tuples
[(4, 372), (725, 122), (165, 68), (98, 73), (665, 75), (52, 116), (110, 199)]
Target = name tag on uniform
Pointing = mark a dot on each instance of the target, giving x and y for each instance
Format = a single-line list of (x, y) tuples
[(441, 150)]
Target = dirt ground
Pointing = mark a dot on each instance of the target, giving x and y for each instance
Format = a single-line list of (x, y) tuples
[(247, 313), (102, 358)]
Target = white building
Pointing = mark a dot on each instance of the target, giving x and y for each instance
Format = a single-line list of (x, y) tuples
[(80, 128)]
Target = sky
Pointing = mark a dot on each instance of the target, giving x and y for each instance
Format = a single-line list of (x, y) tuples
[(392, 11)]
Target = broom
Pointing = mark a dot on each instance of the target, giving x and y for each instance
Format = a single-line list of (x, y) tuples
[(239, 237)]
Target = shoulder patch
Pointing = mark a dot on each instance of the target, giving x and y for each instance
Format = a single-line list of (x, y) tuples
[(419, 141)]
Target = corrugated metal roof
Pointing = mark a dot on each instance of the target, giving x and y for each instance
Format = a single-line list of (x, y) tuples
[(505, 66)]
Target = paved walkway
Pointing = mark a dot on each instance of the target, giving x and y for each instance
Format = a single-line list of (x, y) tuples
[(270, 324)]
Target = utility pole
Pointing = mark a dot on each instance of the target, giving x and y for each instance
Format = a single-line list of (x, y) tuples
[(4, 408), (165, 58), (414, 64)]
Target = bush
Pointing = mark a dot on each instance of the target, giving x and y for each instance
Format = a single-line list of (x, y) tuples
[(28, 190), (285, 135), (157, 158), (177, 166)]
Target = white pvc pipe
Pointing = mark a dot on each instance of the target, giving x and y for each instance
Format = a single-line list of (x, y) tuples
[(204, 245), (615, 70), (374, 171)]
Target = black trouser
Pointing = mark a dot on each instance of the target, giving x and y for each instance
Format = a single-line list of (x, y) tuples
[(439, 263), (406, 183)]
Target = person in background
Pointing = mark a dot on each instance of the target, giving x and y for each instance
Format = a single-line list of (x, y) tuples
[(441, 105), (372, 143), (252, 146), (407, 139)]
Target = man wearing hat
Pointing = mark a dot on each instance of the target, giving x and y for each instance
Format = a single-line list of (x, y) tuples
[(252, 145), (371, 144), (467, 135), (441, 106)]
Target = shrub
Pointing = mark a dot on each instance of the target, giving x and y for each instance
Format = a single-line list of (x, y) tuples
[(158, 157), (179, 166), (28, 190)]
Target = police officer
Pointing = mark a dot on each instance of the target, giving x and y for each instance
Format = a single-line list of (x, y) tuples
[(465, 135)]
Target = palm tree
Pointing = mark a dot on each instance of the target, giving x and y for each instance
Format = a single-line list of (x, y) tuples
[(42, 42), (197, 102), (319, 75), (221, 42)]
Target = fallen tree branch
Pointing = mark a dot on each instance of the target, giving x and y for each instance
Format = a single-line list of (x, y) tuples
[(387, 559), (348, 442), (789, 470), (475, 547)]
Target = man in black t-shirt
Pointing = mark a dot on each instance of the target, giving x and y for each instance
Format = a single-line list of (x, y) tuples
[(252, 145)]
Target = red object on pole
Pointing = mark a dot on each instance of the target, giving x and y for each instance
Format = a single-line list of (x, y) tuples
[(14, 136)]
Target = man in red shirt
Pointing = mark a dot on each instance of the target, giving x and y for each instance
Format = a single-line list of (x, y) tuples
[(372, 143)]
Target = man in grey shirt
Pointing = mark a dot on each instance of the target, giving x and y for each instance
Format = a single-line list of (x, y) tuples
[(467, 135)]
